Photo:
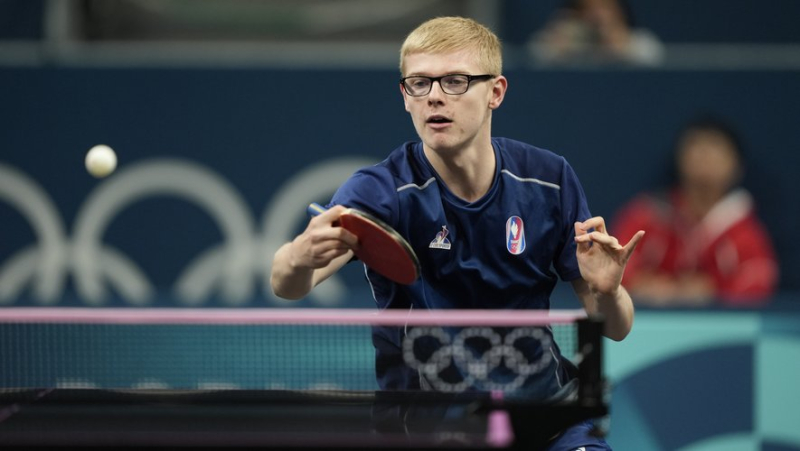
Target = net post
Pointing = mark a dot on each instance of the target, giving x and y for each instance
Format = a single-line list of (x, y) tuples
[(590, 369)]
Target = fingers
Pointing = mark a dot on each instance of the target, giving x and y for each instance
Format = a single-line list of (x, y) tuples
[(334, 237), (328, 216), (316, 249), (324, 258), (323, 240), (634, 241), (581, 237), (597, 223), (600, 238), (584, 237), (325, 227)]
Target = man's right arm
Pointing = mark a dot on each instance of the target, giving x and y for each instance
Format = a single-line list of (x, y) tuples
[(313, 256)]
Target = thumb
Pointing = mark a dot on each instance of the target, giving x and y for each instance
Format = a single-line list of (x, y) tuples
[(634, 241)]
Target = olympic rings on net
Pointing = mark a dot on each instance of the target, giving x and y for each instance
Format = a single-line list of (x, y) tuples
[(476, 366)]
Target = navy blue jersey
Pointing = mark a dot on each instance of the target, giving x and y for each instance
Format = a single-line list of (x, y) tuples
[(504, 251)]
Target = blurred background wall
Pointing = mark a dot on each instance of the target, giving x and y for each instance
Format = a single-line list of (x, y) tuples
[(229, 117)]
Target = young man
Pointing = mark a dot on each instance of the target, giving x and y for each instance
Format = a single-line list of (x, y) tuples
[(510, 217)]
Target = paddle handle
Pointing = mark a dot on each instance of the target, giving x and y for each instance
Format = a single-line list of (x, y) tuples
[(315, 209)]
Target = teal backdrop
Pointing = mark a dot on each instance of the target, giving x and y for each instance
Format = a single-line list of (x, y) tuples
[(706, 380)]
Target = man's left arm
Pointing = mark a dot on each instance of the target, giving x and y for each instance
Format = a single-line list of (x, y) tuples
[(602, 261)]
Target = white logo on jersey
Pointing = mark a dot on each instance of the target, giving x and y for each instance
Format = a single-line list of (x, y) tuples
[(441, 241)]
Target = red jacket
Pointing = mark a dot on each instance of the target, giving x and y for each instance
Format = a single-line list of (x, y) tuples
[(730, 244)]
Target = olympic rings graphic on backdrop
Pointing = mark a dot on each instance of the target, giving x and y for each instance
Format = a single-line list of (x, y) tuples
[(230, 268), (476, 366)]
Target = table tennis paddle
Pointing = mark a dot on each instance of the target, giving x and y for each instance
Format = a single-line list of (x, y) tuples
[(380, 247)]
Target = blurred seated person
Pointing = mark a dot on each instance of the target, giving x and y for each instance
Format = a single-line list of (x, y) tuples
[(591, 32), (704, 243)]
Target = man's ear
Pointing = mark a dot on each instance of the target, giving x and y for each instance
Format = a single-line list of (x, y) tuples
[(498, 92)]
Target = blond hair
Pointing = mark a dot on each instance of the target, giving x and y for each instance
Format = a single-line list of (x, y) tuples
[(448, 34)]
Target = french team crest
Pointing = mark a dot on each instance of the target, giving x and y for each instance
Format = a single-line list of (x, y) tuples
[(515, 235), (441, 241)]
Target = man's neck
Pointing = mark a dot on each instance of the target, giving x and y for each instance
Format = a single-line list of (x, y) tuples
[(468, 173)]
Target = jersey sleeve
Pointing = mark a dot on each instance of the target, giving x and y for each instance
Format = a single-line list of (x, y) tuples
[(371, 190), (574, 208)]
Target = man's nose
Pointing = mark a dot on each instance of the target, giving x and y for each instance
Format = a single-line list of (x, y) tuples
[(436, 93)]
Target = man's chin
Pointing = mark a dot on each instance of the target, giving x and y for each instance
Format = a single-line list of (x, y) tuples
[(441, 144)]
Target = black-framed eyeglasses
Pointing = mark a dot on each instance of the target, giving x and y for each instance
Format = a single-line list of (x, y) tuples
[(453, 84)]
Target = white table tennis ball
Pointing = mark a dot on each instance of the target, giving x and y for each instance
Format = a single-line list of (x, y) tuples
[(101, 160)]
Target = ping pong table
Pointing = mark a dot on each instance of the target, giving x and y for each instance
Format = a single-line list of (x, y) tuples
[(279, 418)]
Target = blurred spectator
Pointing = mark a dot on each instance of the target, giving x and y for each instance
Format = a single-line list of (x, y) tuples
[(704, 241), (589, 32)]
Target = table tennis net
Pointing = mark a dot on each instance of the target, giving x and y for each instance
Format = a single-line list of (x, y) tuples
[(281, 349)]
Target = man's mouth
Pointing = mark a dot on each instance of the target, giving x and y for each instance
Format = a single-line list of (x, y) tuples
[(437, 119)]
